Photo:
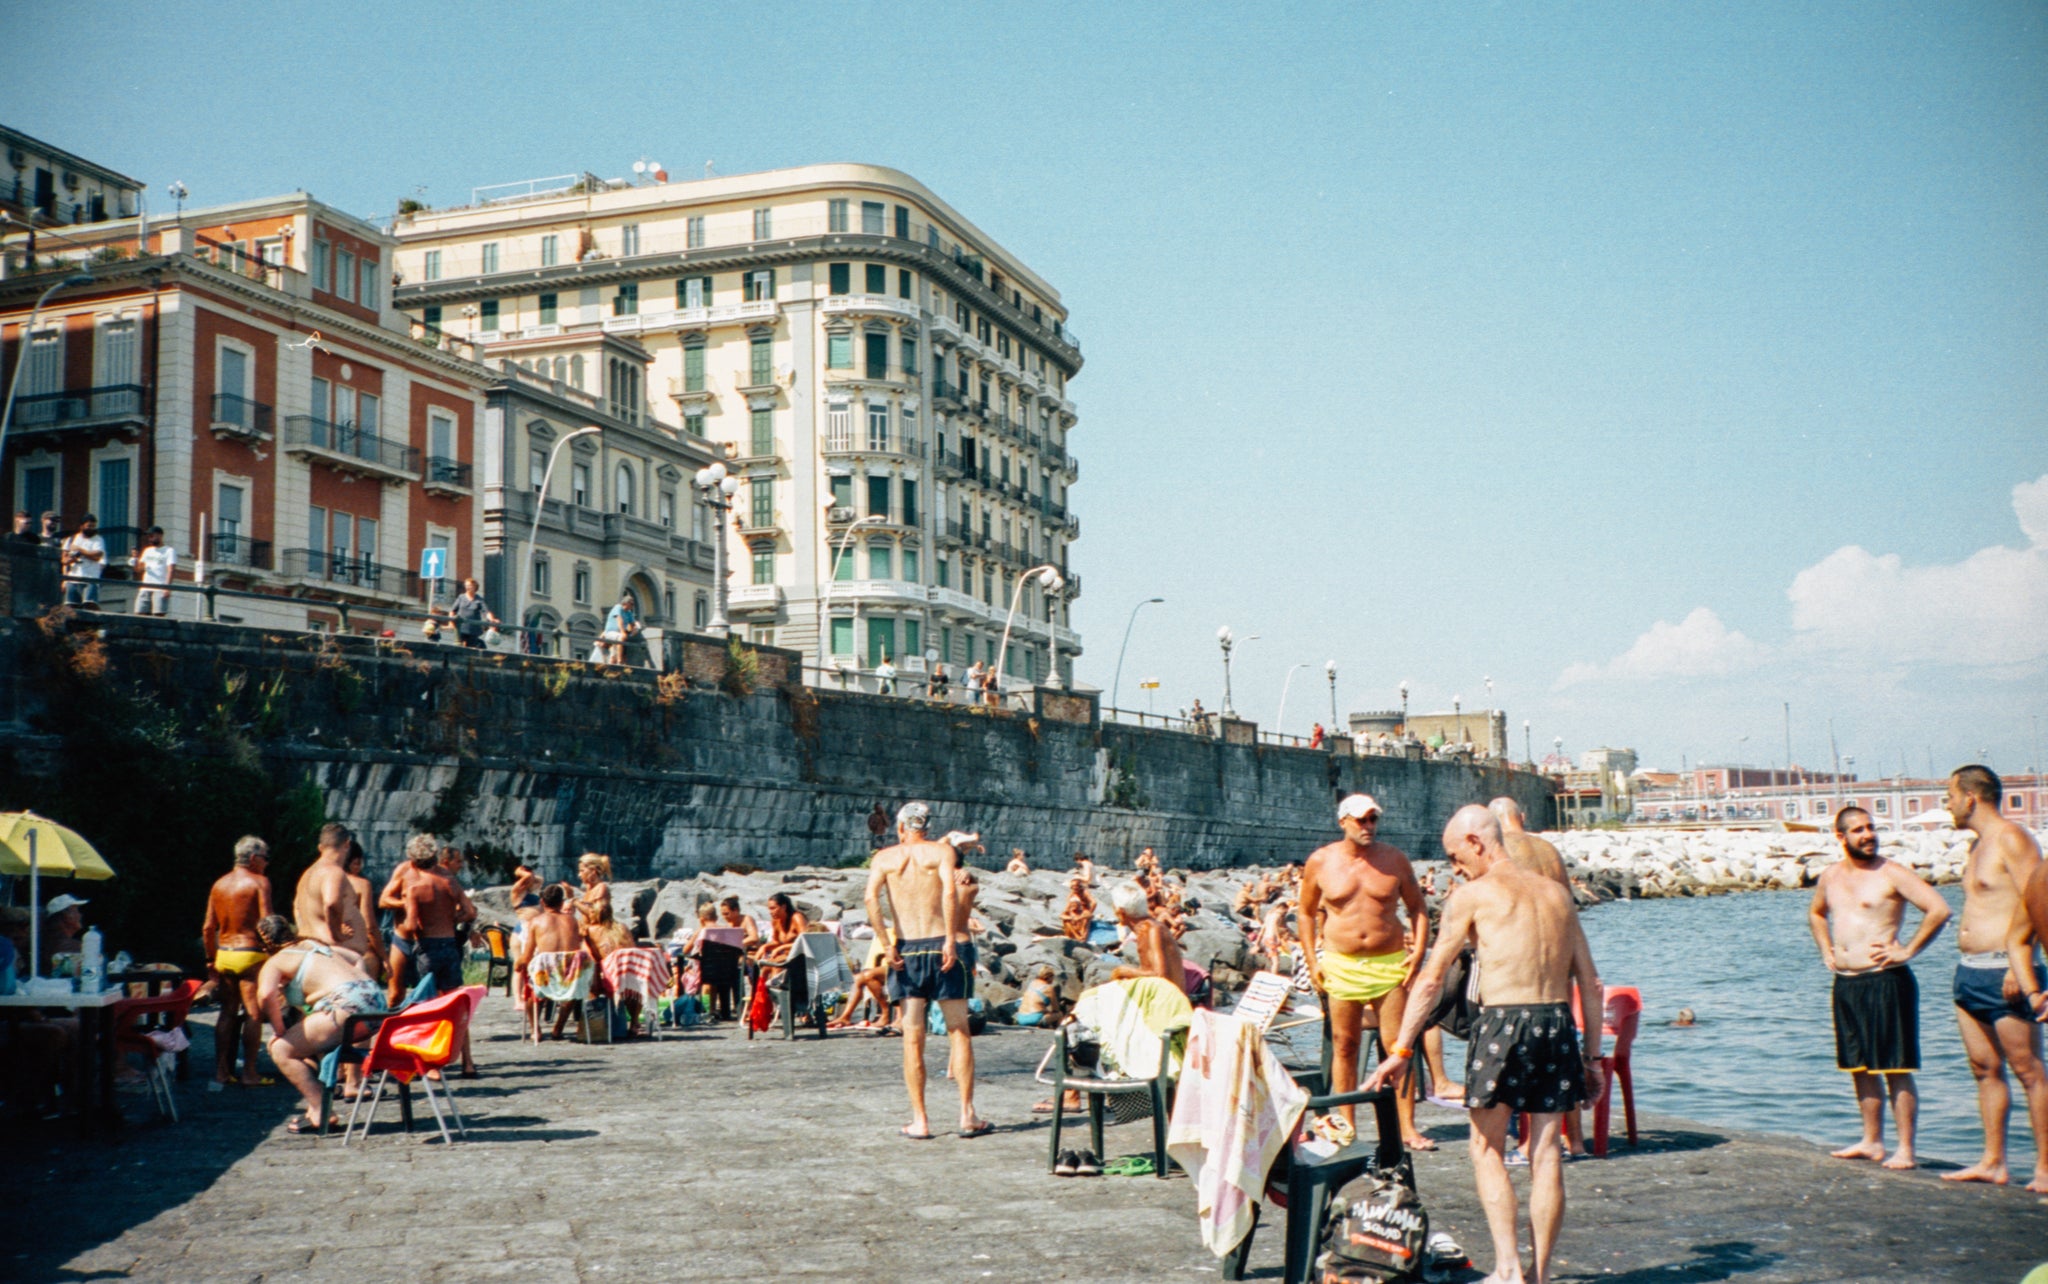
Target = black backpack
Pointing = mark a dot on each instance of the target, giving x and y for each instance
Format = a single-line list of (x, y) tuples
[(1382, 1232)]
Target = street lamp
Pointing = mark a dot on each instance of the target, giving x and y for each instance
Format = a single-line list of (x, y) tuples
[(1050, 577), (825, 611), (540, 505), (1280, 718), (1527, 752), (1457, 712), (718, 488), (1226, 640), (1330, 672), (1404, 708), (1117, 682), (1489, 717), (179, 192), (21, 356)]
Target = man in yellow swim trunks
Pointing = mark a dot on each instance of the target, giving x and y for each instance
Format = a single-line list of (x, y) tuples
[(1358, 952), (239, 901)]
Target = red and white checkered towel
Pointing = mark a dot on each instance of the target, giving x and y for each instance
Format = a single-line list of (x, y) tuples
[(638, 971)]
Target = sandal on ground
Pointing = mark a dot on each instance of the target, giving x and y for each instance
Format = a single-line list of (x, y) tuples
[(981, 1128), (1130, 1166), (1046, 1107), (915, 1136), (299, 1125)]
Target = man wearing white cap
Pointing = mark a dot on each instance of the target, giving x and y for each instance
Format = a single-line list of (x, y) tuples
[(63, 925), (1358, 952)]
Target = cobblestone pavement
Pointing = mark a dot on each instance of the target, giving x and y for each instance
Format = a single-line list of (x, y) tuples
[(705, 1156)]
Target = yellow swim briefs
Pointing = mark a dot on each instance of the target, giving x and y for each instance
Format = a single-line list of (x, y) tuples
[(237, 963), (1362, 978)]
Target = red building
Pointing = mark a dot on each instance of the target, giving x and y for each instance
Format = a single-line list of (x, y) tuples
[(239, 378)]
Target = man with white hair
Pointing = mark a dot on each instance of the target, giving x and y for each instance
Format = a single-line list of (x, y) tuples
[(1524, 848), (1357, 951), (916, 880), (1158, 952), (1526, 1054)]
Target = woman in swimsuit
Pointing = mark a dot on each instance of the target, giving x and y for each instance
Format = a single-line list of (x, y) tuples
[(326, 982)]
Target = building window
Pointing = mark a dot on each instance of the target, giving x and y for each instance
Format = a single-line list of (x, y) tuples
[(700, 614), (627, 301), (878, 355), (761, 501), (881, 562), (877, 279), (910, 567), (761, 360), (909, 356), (842, 490), (550, 309), (368, 294), (764, 562), (693, 235), (871, 213), (878, 425), (668, 606), (550, 250), (843, 560), (878, 495), (763, 427), (322, 278), (839, 278), (759, 286), (345, 275), (693, 423), (629, 240), (693, 292), (838, 429), (835, 216), (842, 636), (582, 582), (576, 371), (430, 267), (909, 501), (902, 222), (666, 513), (490, 257), (881, 641), (579, 484), (540, 577), (536, 468), (903, 283), (693, 366), (838, 350), (622, 488), (489, 314), (943, 569), (764, 223)]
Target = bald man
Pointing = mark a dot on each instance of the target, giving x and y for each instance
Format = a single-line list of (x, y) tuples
[(1527, 850), (1526, 1053)]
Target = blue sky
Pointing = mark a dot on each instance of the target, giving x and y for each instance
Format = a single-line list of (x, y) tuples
[(1662, 363)]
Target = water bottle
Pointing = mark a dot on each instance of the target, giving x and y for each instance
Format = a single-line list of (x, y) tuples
[(92, 963)]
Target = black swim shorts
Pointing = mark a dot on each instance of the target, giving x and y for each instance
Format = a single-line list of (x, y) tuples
[(1526, 1057), (1877, 1021), (924, 975), (441, 958), (1980, 991)]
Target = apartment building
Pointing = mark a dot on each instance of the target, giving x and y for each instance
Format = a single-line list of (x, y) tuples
[(241, 378), (42, 185), (887, 384)]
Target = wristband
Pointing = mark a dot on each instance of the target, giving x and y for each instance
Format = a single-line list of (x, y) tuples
[(1405, 1054)]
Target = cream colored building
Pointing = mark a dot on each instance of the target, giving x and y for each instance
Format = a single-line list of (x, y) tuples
[(887, 384)]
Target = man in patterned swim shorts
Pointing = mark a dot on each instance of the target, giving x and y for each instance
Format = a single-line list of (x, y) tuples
[(1526, 1053)]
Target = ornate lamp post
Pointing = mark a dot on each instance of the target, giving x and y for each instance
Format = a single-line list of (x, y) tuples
[(1280, 718), (826, 656), (1226, 640), (718, 488), (1404, 708), (540, 506), (1051, 578), (1330, 672), (1527, 752), (1117, 682)]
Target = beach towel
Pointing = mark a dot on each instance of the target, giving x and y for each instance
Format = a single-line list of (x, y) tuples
[(642, 972), (1234, 1112), (1136, 1022), (561, 976)]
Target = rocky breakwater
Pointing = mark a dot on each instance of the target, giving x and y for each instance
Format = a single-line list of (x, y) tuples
[(1646, 863)]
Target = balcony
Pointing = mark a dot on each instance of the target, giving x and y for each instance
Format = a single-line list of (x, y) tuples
[(879, 592), (225, 552), (944, 331), (445, 476), (347, 448), (236, 418), (751, 313), (753, 383), (868, 305), (680, 390), (950, 396), (115, 405), (345, 572), (856, 445), (955, 600), (754, 522), (755, 597)]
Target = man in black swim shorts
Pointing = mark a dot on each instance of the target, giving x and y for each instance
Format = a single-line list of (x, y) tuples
[(1526, 1053)]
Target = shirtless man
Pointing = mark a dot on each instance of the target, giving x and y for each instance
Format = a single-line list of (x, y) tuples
[(2029, 929), (1524, 848), (554, 930), (1357, 952), (1531, 950), (404, 972), (238, 902), (916, 877), (437, 917), (365, 896), (1858, 905), (1158, 952), (1997, 1023), (324, 906)]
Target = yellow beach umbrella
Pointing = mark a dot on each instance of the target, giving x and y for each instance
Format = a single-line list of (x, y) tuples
[(32, 845)]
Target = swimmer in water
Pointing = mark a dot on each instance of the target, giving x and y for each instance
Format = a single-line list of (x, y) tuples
[(1686, 1018)]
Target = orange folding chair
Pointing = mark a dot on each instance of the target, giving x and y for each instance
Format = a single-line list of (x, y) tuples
[(135, 1020), (423, 1037)]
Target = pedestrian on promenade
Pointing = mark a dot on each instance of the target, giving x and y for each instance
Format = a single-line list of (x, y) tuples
[(1358, 952), (83, 559), (1525, 1054), (878, 825), (916, 878), (1997, 1022), (470, 615), (1858, 905), (152, 565), (620, 624), (240, 899)]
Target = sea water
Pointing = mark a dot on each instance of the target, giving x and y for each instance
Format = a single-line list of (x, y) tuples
[(1763, 1054)]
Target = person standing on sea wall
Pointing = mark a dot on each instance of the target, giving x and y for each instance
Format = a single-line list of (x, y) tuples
[(1997, 1024), (1858, 905)]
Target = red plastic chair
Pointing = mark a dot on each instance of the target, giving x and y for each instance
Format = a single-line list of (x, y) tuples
[(425, 1036), (1623, 1013), (135, 1020)]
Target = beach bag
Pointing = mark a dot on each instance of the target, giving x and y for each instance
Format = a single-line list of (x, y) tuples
[(1458, 1002), (1383, 1234)]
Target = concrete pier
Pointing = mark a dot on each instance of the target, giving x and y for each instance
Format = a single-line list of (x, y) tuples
[(705, 1156)]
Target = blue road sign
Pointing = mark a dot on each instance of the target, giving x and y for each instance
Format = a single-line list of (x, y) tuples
[(433, 563)]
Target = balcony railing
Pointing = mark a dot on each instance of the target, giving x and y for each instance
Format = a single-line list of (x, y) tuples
[(867, 305), (349, 447), (346, 570), (238, 550), (447, 474), (81, 408), (237, 416)]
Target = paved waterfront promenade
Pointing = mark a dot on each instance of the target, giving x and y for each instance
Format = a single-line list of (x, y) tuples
[(708, 1157)]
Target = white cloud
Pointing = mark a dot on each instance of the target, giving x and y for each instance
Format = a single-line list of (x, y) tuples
[(1699, 646), (1988, 611)]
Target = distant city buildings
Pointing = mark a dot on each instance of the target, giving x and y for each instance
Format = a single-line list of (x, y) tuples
[(1755, 794)]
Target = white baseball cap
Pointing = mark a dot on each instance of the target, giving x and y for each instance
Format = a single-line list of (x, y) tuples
[(1358, 806), (58, 904)]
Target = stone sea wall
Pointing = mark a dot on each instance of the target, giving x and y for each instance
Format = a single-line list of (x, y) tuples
[(1648, 863)]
